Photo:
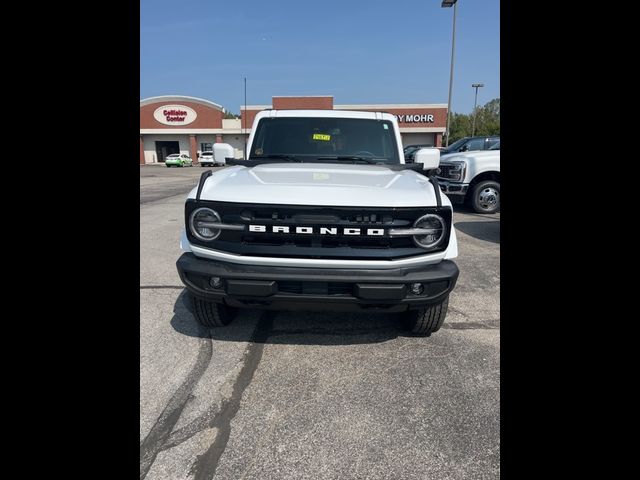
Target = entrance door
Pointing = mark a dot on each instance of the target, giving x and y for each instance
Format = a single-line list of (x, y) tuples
[(164, 149)]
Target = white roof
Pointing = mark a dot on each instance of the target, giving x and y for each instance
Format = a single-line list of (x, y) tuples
[(326, 114), (179, 98)]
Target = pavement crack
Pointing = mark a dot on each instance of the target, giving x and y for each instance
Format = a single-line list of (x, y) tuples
[(458, 311), (204, 468), (159, 433)]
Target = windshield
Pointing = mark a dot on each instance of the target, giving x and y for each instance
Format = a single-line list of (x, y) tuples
[(457, 144), (312, 139), (409, 150), (174, 155), (495, 146)]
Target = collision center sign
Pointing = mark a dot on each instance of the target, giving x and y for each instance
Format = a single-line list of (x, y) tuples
[(175, 115)]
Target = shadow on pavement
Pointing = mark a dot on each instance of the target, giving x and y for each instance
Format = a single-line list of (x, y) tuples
[(488, 231), (293, 327)]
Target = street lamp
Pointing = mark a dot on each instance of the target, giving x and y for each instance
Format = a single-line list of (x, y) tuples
[(447, 4), (476, 86)]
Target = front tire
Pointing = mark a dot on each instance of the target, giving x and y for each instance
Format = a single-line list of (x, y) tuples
[(426, 320), (211, 314), (485, 197)]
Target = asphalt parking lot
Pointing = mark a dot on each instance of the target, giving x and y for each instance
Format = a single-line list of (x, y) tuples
[(314, 395)]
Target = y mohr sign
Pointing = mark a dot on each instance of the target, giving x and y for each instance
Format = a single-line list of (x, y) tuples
[(425, 118)]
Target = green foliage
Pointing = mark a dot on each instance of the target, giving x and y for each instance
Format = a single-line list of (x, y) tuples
[(487, 121), (230, 115)]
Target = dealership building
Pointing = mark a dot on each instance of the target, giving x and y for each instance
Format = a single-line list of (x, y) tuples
[(180, 124)]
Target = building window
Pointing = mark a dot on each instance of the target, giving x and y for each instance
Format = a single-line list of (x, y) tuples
[(206, 147)]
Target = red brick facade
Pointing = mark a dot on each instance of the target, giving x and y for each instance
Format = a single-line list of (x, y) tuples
[(193, 149), (302, 103), (248, 117)]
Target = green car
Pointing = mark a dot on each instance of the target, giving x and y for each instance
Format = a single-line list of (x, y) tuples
[(178, 160)]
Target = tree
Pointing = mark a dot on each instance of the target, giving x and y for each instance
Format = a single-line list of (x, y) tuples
[(488, 118), (487, 122), (230, 115), (459, 127)]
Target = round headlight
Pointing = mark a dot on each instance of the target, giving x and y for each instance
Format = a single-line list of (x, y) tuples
[(435, 228), (202, 224)]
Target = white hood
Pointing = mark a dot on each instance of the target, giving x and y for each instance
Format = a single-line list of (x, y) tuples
[(320, 184)]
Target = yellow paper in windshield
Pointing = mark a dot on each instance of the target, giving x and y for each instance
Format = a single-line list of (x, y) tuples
[(321, 136)]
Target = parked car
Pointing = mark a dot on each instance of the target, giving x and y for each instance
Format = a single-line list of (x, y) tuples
[(469, 144), (473, 177), (410, 151), (178, 160), (207, 160)]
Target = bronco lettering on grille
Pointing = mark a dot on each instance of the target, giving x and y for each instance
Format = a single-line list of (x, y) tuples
[(312, 230)]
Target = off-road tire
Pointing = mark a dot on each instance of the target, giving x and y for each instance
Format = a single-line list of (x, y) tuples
[(212, 314), (426, 320)]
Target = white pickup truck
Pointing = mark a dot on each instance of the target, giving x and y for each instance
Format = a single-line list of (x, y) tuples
[(473, 177), (324, 214)]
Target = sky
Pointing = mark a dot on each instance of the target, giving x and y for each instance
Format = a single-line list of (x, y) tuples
[(361, 52)]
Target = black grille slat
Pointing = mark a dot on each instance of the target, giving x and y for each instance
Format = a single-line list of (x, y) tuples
[(325, 241), (445, 171)]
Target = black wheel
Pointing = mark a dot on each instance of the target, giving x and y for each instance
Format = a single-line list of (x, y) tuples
[(212, 314), (426, 320), (485, 197)]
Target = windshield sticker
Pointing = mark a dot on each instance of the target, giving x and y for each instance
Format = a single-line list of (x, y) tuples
[(385, 126), (321, 136), (259, 151)]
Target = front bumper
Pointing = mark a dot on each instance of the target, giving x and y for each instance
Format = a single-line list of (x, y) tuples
[(453, 188), (285, 288)]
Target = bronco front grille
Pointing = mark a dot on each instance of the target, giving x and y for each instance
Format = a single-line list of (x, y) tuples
[(316, 245)]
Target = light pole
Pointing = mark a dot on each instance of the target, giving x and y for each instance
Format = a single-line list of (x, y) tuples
[(475, 102), (447, 4), (244, 120)]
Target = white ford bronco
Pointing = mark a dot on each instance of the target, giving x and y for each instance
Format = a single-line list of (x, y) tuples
[(324, 214)]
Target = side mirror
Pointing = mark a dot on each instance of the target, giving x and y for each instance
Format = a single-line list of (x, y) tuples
[(428, 157), (222, 151)]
